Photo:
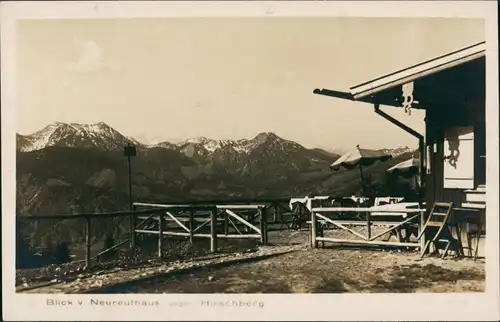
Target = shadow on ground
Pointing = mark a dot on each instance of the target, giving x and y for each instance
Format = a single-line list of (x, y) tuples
[(312, 271), (399, 279), (190, 279)]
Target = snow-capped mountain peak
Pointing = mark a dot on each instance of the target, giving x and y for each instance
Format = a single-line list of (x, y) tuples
[(164, 145), (196, 140), (99, 135), (207, 144), (98, 128), (241, 146)]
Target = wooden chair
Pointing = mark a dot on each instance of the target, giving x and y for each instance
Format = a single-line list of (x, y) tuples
[(438, 223), (477, 233)]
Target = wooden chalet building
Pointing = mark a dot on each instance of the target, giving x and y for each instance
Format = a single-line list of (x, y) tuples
[(452, 91)]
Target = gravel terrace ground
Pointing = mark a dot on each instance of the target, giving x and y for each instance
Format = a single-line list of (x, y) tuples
[(287, 266)]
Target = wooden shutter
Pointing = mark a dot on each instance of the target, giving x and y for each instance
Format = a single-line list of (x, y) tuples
[(459, 172)]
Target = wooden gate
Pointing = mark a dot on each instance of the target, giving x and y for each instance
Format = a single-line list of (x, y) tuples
[(320, 220)]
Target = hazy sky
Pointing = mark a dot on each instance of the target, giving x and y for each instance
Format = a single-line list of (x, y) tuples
[(231, 78)]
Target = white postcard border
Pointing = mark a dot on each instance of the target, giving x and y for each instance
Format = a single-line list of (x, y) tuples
[(459, 306)]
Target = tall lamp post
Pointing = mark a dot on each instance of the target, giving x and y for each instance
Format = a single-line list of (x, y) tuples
[(130, 151)]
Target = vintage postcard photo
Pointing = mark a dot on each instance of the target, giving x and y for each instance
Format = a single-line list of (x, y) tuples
[(233, 161)]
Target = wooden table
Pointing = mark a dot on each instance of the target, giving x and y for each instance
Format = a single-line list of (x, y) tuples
[(469, 216)]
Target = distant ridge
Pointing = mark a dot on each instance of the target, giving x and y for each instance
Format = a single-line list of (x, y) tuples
[(103, 137)]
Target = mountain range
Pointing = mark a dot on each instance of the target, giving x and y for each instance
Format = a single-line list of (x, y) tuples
[(68, 168), (102, 136)]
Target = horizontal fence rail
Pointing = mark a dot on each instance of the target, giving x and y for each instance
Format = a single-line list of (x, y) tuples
[(89, 215), (278, 209), (368, 210), (234, 201)]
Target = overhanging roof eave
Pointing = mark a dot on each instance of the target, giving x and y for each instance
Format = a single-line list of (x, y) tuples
[(415, 72), (367, 99)]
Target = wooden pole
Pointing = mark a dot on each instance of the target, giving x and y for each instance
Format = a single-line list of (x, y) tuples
[(421, 186), (160, 236), (264, 220), (191, 227), (130, 182), (423, 240), (367, 242), (421, 171), (170, 233), (132, 229), (262, 238), (213, 231), (314, 242), (87, 243), (263, 226), (368, 224), (226, 223)]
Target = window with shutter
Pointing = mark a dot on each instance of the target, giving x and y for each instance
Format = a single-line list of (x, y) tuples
[(459, 158)]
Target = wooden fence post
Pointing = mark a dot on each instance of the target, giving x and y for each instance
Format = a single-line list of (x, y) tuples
[(260, 213), (421, 227), (132, 229), (263, 229), (213, 231), (368, 224), (314, 242), (226, 223), (267, 225), (191, 226), (87, 242), (160, 236)]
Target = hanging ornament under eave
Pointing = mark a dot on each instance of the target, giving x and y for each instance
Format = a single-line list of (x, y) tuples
[(407, 97)]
